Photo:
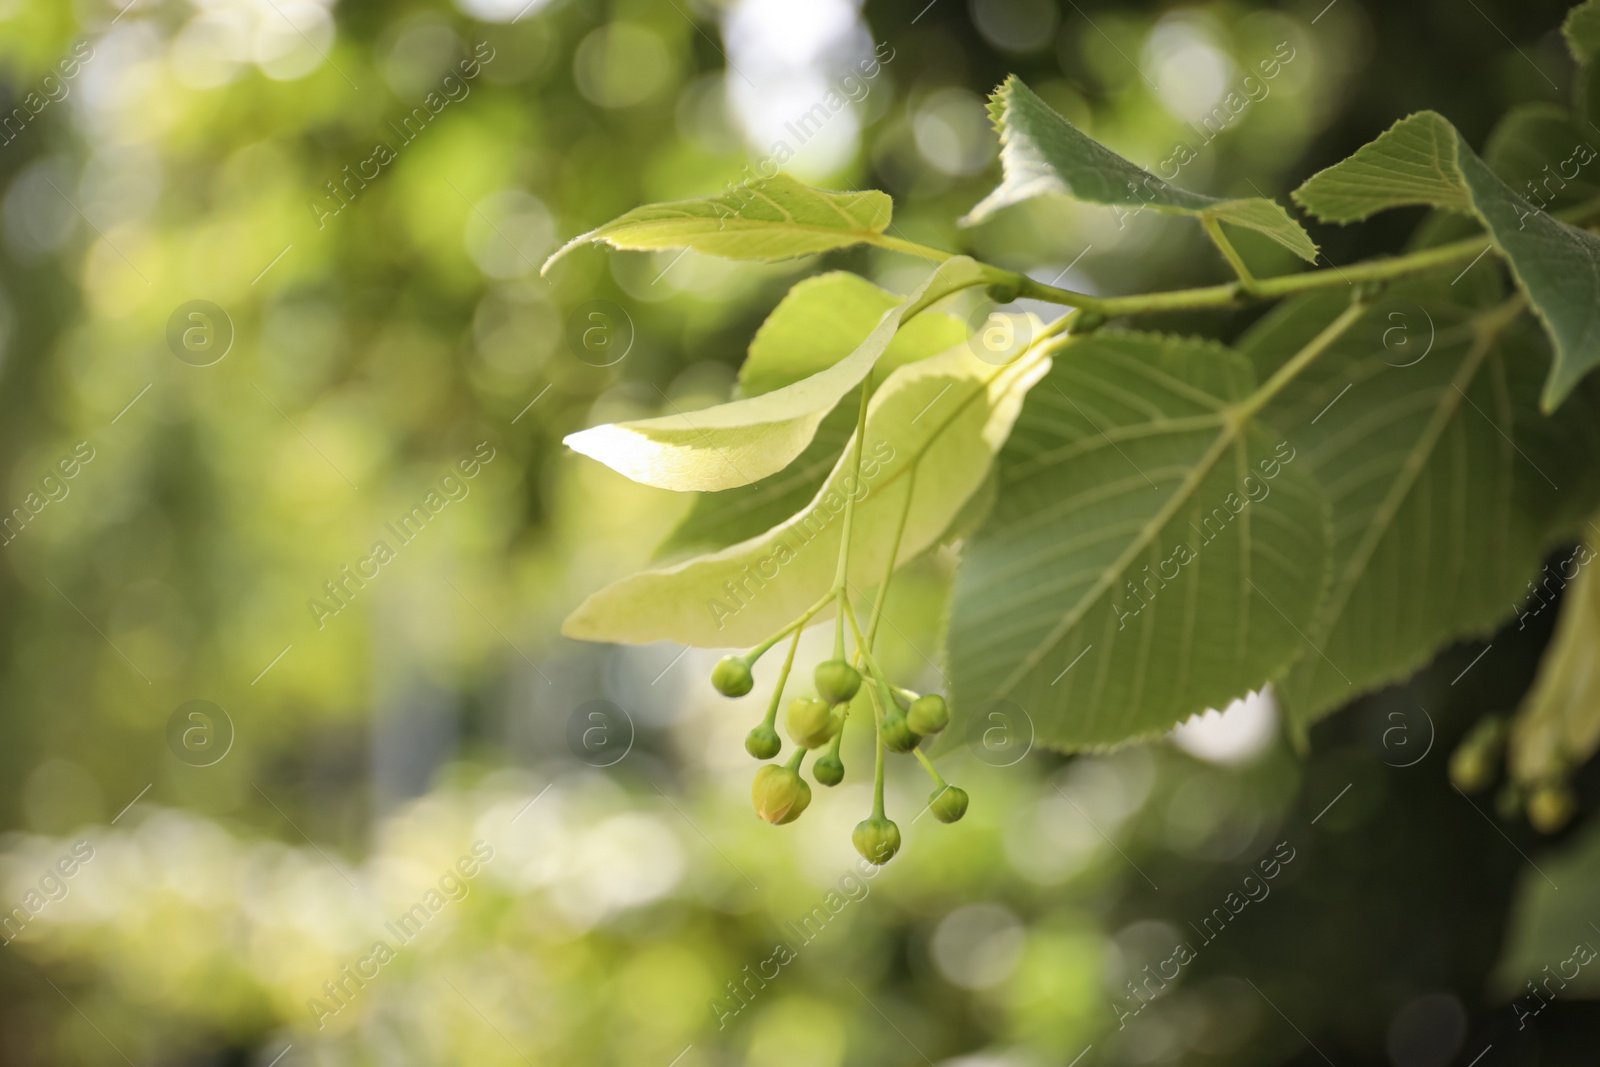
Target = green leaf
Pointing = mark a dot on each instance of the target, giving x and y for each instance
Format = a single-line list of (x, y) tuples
[(818, 323), (1582, 31), (1041, 152), (823, 318), (746, 440), (1422, 160), (1553, 913), (1543, 153), (1557, 728), (1152, 551), (1426, 436), (775, 218), (943, 417)]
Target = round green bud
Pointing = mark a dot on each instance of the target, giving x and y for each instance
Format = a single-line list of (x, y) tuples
[(1471, 768), (837, 681), (828, 770), (877, 840), (801, 802), (948, 804), (762, 742), (811, 722), (732, 676), (1004, 292), (776, 792), (1550, 807), (928, 715), (897, 736)]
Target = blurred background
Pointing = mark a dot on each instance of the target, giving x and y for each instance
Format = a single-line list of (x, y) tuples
[(269, 282)]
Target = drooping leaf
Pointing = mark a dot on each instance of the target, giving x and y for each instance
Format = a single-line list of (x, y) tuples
[(770, 219), (1151, 554), (818, 323), (1438, 466), (943, 418), (1557, 728), (746, 440), (1423, 160), (1041, 152)]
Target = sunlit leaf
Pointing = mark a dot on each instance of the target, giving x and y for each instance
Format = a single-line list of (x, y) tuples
[(746, 440), (1422, 160), (773, 218), (943, 418), (818, 323), (1151, 553), (1041, 152)]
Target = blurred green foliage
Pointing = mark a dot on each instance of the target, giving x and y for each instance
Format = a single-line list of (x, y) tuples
[(376, 347)]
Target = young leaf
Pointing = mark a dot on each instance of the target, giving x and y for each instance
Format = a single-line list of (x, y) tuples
[(1041, 152), (1425, 433), (1557, 728), (746, 440), (818, 323), (1152, 552), (775, 218), (943, 418), (823, 318), (1422, 160)]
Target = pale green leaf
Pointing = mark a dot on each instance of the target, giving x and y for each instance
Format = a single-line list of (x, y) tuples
[(822, 319), (774, 218), (746, 440), (818, 323), (1151, 554), (1557, 727), (1041, 152), (943, 418), (1422, 160), (1438, 467)]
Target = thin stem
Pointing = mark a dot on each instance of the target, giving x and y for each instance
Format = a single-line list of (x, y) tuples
[(878, 768), (1300, 360), (838, 737), (798, 624), (927, 765), (842, 575), (783, 679), (911, 248), (894, 553), (796, 759), (1213, 230), (1237, 294)]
